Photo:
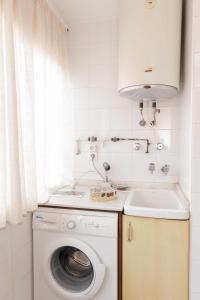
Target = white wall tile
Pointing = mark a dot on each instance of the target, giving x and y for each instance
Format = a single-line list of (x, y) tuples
[(175, 101), (194, 276), (78, 33), (194, 296), (170, 139), (85, 11), (196, 37), (99, 122), (196, 8), (121, 119), (101, 111), (196, 106), (79, 65), (195, 242), (100, 55), (195, 141), (169, 118), (82, 164), (101, 32), (196, 70), (118, 101), (82, 119), (195, 159), (195, 209), (122, 166), (100, 75), (100, 98), (81, 98), (195, 186)]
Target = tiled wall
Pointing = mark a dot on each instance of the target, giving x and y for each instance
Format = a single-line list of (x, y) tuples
[(195, 157), (100, 111), (16, 262), (186, 100)]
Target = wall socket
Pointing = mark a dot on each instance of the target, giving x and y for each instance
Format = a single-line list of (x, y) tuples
[(93, 151)]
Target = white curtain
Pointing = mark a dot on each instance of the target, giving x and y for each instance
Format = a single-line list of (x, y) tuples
[(36, 111)]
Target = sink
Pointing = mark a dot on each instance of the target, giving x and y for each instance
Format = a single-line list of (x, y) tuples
[(157, 203)]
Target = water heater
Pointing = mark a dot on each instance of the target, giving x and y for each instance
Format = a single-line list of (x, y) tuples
[(149, 48)]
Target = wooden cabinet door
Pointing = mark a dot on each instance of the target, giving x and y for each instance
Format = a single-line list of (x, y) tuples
[(155, 259)]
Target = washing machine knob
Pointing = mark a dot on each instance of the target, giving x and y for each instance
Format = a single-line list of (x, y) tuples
[(71, 225)]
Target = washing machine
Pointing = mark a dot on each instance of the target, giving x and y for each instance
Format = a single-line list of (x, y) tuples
[(75, 255)]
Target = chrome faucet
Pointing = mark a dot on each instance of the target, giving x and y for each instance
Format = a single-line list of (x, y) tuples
[(165, 169), (106, 168), (152, 168)]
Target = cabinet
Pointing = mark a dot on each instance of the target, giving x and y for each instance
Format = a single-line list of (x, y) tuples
[(155, 259)]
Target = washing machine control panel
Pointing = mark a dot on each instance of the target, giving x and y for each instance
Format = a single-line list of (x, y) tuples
[(88, 225), (71, 224), (68, 224), (75, 223)]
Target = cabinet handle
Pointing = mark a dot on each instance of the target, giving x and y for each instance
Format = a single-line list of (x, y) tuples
[(130, 232)]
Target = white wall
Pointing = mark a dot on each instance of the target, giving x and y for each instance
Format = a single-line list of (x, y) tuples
[(101, 112), (16, 262), (195, 157), (190, 137), (185, 98)]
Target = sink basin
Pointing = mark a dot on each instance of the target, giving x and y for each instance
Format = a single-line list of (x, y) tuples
[(157, 203)]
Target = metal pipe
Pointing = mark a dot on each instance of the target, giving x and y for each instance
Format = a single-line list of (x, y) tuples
[(112, 139), (117, 139)]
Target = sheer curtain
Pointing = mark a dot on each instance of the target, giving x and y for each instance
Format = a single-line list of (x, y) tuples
[(36, 111)]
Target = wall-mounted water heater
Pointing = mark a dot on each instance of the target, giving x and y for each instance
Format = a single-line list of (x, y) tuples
[(149, 48)]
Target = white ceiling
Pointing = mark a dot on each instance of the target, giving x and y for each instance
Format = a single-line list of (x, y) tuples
[(85, 10)]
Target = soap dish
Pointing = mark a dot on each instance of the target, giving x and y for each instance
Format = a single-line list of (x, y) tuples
[(120, 187)]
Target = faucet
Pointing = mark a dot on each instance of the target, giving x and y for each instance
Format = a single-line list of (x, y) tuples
[(165, 169), (152, 168), (106, 168)]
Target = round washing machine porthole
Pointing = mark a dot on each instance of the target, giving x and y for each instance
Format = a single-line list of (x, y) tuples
[(73, 270)]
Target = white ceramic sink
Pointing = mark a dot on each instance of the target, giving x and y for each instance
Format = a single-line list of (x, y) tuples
[(157, 203)]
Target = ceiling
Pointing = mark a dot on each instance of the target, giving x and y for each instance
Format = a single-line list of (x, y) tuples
[(85, 10)]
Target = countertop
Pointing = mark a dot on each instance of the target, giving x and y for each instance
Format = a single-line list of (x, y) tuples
[(84, 202)]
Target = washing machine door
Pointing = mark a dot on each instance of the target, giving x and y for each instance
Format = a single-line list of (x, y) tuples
[(73, 270)]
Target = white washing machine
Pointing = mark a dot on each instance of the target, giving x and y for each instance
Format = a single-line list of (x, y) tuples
[(75, 255)]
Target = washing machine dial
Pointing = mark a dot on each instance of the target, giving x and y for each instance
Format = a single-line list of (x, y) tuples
[(71, 225)]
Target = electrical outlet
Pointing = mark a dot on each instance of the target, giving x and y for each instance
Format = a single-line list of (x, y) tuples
[(93, 151)]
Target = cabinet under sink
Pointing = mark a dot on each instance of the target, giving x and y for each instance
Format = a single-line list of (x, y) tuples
[(155, 259), (156, 245)]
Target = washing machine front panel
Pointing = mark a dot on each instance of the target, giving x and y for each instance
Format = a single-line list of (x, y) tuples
[(75, 255)]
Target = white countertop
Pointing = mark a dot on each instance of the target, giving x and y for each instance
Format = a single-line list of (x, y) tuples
[(85, 202), (82, 200)]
